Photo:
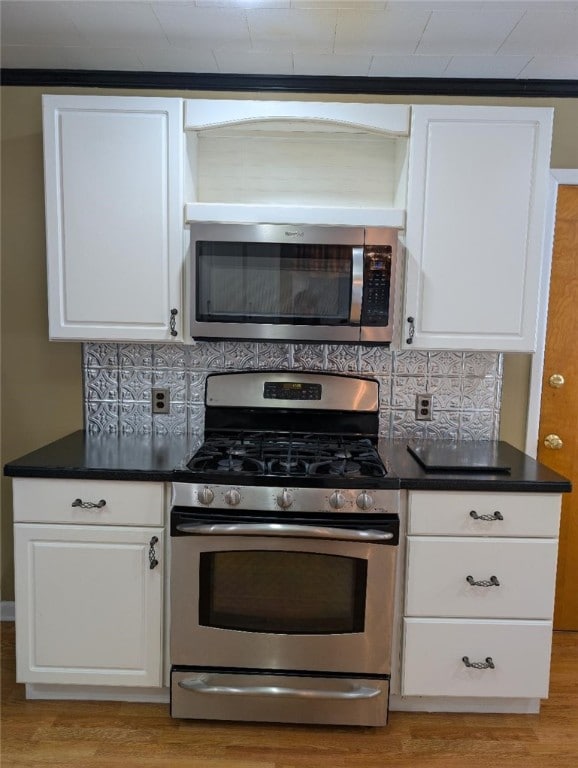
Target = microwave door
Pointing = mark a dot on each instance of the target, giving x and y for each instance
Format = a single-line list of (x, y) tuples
[(277, 291)]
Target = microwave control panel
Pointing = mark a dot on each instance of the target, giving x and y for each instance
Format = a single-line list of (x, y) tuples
[(376, 285)]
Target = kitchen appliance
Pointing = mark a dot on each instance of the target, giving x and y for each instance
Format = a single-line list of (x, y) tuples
[(284, 534), (286, 282)]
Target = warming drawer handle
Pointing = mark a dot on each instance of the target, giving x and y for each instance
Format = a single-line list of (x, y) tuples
[(490, 518), (487, 664), (284, 529), (88, 504), (204, 685)]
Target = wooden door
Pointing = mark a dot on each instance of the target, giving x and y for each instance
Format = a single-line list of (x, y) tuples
[(559, 408)]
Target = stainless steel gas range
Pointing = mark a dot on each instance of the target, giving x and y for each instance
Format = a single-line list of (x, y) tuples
[(284, 535)]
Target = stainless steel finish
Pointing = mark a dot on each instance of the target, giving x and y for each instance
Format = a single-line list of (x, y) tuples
[(337, 500), (322, 708), (290, 233), (265, 498), (356, 285), (283, 233), (205, 495), (556, 380), (554, 442), (364, 501), (232, 497), (210, 684), (285, 499), (365, 652), (276, 332), (245, 390), (284, 529)]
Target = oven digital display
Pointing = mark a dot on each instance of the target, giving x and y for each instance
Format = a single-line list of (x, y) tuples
[(291, 390)]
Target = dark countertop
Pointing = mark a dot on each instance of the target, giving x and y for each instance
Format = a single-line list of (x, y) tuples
[(162, 459)]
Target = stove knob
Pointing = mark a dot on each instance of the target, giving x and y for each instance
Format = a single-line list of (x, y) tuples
[(337, 500), (233, 497), (206, 495), (364, 500), (285, 499)]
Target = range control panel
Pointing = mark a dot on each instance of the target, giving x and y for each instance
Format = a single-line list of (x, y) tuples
[(291, 390)]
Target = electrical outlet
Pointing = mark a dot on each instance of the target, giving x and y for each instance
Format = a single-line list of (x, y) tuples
[(161, 400), (424, 407)]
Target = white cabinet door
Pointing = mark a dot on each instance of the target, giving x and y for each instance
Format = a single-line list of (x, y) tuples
[(88, 605), (114, 226), (475, 226)]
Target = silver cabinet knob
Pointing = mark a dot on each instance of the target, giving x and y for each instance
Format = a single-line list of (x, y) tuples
[(233, 497), (206, 495), (553, 441), (364, 500), (285, 499), (337, 500)]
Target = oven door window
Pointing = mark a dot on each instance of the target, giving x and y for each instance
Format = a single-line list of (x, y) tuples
[(296, 284), (280, 592)]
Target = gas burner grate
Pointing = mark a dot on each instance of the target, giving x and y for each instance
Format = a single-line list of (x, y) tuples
[(289, 455)]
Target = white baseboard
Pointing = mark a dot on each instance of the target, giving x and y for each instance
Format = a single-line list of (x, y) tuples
[(97, 693), (6, 610)]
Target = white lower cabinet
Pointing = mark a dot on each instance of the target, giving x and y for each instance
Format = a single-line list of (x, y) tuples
[(479, 594), (89, 607)]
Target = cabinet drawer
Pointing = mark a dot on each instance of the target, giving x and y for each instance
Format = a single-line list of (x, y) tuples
[(52, 501), (438, 568), (457, 514), (434, 650)]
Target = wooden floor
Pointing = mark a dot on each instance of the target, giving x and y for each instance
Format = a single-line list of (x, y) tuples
[(121, 735)]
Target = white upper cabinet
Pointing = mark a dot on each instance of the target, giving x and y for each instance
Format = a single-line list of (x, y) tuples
[(288, 162), (475, 226), (114, 227)]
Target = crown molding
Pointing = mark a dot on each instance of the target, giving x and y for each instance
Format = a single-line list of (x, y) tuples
[(406, 86)]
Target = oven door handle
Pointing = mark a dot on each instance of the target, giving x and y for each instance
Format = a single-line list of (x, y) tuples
[(204, 685), (284, 529)]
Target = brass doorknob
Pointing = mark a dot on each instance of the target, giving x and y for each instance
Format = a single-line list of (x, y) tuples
[(556, 380), (553, 441)]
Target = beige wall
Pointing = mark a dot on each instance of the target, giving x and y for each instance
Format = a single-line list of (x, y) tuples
[(41, 380)]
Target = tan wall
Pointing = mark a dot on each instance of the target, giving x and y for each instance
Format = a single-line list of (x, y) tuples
[(41, 380)]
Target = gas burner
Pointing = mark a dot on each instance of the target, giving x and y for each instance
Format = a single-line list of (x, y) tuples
[(288, 466), (293, 455)]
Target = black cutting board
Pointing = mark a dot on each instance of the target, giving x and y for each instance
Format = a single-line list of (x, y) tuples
[(468, 456)]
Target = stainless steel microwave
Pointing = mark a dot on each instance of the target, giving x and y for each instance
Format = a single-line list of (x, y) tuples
[(292, 283)]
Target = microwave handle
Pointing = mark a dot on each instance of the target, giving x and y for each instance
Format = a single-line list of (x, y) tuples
[(356, 285), (284, 529)]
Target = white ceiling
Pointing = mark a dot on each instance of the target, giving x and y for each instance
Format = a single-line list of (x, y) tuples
[(402, 38)]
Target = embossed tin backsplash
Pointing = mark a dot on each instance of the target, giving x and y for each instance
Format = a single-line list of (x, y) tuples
[(118, 378)]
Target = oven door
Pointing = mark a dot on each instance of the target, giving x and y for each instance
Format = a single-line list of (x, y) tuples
[(257, 594), (276, 282)]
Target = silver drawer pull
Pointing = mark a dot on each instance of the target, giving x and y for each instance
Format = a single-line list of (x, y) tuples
[(487, 664), (495, 516), (88, 504), (491, 582), (203, 685)]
